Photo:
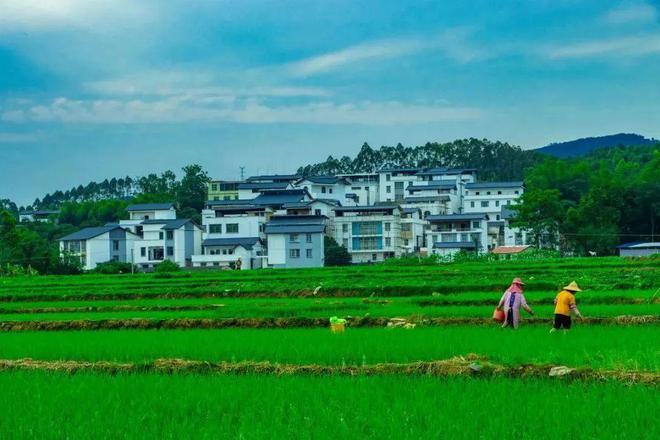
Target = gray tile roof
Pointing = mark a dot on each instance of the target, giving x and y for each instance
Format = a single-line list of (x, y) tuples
[(640, 245), (280, 198), (296, 224), (454, 245), (88, 233), (246, 242), (494, 185), (400, 170), (274, 178), (263, 185), (367, 208), (324, 180), (440, 198), (432, 185), (170, 224), (445, 171), (149, 206), (455, 217)]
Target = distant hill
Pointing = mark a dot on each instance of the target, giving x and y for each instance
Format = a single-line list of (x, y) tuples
[(580, 147)]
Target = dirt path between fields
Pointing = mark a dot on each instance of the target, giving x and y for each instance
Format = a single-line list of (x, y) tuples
[(294, 322)]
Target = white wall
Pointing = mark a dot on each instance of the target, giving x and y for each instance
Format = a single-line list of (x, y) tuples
[(277, 249)]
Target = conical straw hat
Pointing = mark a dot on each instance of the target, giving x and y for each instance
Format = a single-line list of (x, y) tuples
[(573, 287)]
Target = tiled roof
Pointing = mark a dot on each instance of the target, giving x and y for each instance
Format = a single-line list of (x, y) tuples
[(506, 250), (87, 233), (150, 206), (456, 217), (246, 242), (515, 184)]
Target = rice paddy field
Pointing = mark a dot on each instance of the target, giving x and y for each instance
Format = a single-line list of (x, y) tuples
[(250, 354)]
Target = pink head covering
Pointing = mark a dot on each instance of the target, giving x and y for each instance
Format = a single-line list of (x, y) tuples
[(516, 286)]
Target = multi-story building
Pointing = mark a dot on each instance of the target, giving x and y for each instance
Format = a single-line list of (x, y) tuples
[(98, 245), (223, 190), (494, 200), (296, 241), (370, 233), (327, 187), (138, 213), (235, 219), (364, 188), (412, 230), (393, 182), (448, 234), (176, 240)]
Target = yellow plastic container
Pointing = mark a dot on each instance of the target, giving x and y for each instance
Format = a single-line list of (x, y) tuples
[(337, 328)]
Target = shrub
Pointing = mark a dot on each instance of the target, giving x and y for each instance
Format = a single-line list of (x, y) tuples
[(166, 267), (113, 268), (335, 255)]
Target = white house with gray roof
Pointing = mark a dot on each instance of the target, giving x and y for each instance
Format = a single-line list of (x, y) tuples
[(98, 245), (138, 213), (494, 200), (167, 239), (328, 187), (227, 252), (448, 234), (296, 241)]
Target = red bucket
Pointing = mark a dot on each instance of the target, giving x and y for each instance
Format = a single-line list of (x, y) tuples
[(498, 315)]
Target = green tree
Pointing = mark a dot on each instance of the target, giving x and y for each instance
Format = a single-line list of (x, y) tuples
[(191, 191), (335, 254)]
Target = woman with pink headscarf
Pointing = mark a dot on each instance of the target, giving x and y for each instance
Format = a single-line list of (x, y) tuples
[(511, 302)]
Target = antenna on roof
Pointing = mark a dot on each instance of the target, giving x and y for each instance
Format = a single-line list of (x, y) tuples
[(242, 173)]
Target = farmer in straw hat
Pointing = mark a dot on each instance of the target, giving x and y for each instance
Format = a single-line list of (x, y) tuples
[(564, 305), (511, 302)]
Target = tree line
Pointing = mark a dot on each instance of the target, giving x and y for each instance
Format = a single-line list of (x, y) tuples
[(493, 160)]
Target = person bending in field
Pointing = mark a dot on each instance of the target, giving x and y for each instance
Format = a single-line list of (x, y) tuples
[(511, 302), (564, 305)]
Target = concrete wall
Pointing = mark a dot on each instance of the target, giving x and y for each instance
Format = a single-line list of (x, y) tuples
[(280, 246)]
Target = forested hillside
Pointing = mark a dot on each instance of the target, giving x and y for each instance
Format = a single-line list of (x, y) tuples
[(580, 147), (494, 160)]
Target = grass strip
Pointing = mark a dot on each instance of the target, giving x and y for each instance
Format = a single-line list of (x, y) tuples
[(469, 366)]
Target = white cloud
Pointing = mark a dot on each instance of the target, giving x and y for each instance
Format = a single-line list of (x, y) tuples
[(635, 13), (452, 43), (159, 83), (181, 109), (619, 47), (40, 15)]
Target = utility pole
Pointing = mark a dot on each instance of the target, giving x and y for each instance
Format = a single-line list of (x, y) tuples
[(132, 262), (242, 173)]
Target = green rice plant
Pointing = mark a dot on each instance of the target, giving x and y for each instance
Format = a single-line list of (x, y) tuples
[(90, 406)]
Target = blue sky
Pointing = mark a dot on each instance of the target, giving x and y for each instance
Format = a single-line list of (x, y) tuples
[(91, 89)]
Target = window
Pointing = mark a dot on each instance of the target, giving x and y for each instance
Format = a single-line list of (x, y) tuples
[(484, 204), (293, 238), (226, 198), (146, 217), (388, 189), (160, 235), (388, 226), (330, 190), (477, 193), (499, 193), (374, 257), (344, 228), (471, 204), (203, 264), (214, 187), (232, 228), (317, 212), (143, 252), (294, 253), (215, 229), (170, 235), (309, 253), (356, 188), (216, 198), (516, 191), (115, 245), (170, 250), (475, 225), (497, 217), (323, 189), (487, 193), (309, 238), (388, 242), (497, 203), (388, 177)]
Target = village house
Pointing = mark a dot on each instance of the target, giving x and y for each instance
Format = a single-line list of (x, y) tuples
[(39, 215), (296, 241), (98, 245)]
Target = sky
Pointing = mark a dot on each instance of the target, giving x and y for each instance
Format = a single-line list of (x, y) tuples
[(93, 89)]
